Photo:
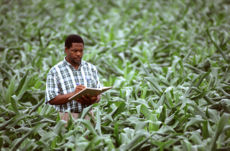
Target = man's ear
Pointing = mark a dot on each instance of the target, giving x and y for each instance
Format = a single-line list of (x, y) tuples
[(66, 49)]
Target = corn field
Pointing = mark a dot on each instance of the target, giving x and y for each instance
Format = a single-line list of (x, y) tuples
[(167, 60)]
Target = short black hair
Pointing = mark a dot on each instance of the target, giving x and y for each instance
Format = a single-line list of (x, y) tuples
[(73, 38)]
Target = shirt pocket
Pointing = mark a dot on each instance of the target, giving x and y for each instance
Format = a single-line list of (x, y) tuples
[(91, 82)]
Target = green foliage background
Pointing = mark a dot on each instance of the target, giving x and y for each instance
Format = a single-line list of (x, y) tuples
[(168, 61)]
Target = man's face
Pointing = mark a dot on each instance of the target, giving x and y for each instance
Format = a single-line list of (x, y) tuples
[(74, 53)]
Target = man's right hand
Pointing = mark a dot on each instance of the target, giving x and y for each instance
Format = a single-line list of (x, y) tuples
[(79, 88), (63, 98)]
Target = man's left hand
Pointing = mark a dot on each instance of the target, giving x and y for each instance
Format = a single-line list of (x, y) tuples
[(88, 99)]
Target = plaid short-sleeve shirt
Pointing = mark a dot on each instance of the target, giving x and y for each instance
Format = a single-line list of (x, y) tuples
[(63, 78)]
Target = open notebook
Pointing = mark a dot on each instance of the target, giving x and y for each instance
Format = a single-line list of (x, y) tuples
[(90, 91)]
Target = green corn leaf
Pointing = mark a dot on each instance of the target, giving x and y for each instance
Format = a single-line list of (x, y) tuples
[(85, 111), (145, 111), (22, 84), (193, 121), (36, 107), (59, 128), (89, 126), (120, 108), (138, 145), (18, 142), (98, 124), (219, 129), (132, 142)]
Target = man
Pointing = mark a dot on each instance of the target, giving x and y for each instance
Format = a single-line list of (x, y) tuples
[(69, 77)]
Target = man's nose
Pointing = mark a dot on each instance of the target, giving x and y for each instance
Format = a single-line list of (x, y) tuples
[(78, 53)]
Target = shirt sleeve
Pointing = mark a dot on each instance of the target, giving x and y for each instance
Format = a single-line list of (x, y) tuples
[(51, 87)]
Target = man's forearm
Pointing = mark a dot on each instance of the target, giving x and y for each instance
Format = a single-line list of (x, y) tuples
[(61, 99)]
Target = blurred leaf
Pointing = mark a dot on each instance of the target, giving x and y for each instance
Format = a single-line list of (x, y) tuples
[(224, 120)]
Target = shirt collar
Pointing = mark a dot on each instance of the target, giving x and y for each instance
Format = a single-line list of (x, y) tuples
[(67, 63)]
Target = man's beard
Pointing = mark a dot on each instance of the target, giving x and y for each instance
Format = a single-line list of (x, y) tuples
[(73, 62), (76, 62)]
